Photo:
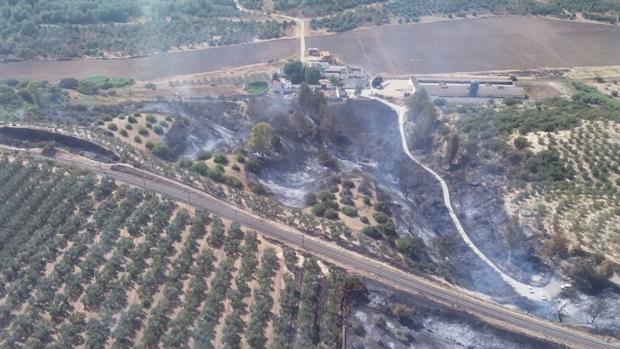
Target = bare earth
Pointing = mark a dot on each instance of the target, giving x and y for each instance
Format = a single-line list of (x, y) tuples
[(482, 44)]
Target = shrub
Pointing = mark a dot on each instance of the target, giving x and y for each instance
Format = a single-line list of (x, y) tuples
[(383, 206), (69, 83), (220, 159), (348, 184), (121, 117), (185, 163), (380, 217), (99, 123), (112, 127), (143, 131), (200, 168), (163, 123), (240, 158), (128, 127), (203, 155), (149, 145), (371, 231), (148, 125), (521, 143), (349, 211), (310, 199), (252, 165), (137, 139), (439, 102), (132, 119), (151, 118), (614, 93), (150, 86), (236, 168), (161, 150), (410, 247), (158, 130), (124, 133), (319, 209), (330, 213), (234, 182)]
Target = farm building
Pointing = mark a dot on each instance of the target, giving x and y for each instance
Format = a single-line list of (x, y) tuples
[(454, 88)]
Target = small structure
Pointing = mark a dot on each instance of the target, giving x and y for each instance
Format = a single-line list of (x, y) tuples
[(326, 56), (339, 71), (314, 52), (455, 88), (282, 86)]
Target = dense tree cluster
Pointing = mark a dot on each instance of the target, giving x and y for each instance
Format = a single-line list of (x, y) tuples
[(19, 99), (346, 15), (75, 28)]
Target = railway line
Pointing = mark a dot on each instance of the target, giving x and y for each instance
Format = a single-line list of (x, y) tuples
[(485, 309)]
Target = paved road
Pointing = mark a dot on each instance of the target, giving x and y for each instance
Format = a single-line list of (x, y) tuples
[(357, 263)]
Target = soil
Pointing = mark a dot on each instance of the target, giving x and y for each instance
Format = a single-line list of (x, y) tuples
[(493, 43)]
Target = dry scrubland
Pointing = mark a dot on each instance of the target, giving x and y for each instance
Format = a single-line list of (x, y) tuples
[(100, 264)]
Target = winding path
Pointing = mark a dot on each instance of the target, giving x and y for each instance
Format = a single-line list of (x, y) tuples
[(549, 291)]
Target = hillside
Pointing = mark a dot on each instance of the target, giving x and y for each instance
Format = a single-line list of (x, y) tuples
[(101, 264)]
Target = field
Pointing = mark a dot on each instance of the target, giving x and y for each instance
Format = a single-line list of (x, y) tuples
[(496, 43), (99, 264), (157, 66), (464, 45)]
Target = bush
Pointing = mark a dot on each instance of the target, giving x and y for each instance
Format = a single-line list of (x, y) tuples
[(69, 83), (149, 145), (151, 118), (319, 209), (150, 86), (158, 130), (371, 231), (220, 159), (200, 167), (137, 139), (310, 199), (124, 133), (148, 125), (112, 127), (143, 131), (364, 220), (439, 102), (161, 150), (410, 247), (349, 211), (128, 127), (132, 119), (234, 182), (330, 213), (163, 124), (521, 143), (203, 155), (380, 217), (348, 184), (252, 165), (236, 168)]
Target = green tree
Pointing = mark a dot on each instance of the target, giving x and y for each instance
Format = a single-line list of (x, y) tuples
[(262, 138), (294, 71)]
